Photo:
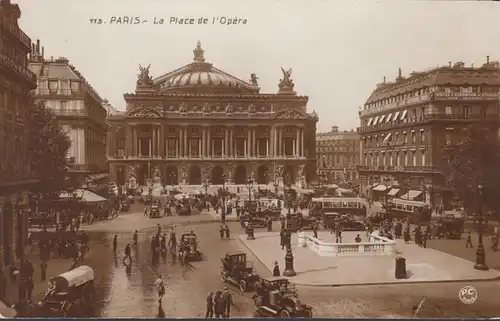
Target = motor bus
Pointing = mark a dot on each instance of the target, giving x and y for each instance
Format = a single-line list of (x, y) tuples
[(342, 205), (415, 211)]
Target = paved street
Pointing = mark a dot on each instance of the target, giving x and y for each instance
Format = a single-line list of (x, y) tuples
[(131, 295)]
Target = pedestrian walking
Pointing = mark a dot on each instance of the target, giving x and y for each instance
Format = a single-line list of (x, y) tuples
[(227, 298), (146, 211), (210, 305), (276, 269), (221, 232), (468, 243), (218, 305), (160, 288), (282, 238), (227, 232), (127, 255), (115, 243)]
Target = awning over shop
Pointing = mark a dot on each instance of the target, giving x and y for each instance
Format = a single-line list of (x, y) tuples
[(388, 119), (387, 137), (411, 195), (369, 122), (83, 195), (97, 177), (380, 188), (393, 192), (403, 115)]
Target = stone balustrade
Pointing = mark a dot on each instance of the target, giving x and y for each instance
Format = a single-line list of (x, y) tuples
[(377, 245)]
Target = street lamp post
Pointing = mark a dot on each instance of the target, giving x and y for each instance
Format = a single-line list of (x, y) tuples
[(205, 185), (224, 190), (480, 254), (22, 278), (386, 197), (249, 186)]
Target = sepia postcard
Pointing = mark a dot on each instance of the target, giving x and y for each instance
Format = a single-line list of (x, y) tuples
[(249, 159)]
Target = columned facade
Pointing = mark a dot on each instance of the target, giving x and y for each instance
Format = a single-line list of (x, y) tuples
[(199, 124)]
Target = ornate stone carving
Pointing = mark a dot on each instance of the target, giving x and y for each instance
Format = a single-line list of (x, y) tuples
[(198, 53), (206, 108), (132, 176), (218, 108), (229, 109), (143, 78), (183, 172), (183, 109), (314, 115), (156, 172), (254, 79), (286, 83), (301, 171), (279, 171), (251, 109), (146, 112), (289, 114)]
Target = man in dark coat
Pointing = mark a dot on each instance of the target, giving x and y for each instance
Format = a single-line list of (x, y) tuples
[(282, 238), (210, 305), (227, 298), (218, 305)]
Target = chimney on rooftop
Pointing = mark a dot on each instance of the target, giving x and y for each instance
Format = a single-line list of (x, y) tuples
[(38, 46), (399, 73), (449, 64), (43, 52), (384, 80), (335, 129), (487, 59)]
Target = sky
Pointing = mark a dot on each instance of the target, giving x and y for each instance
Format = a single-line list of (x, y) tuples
[(338, 49)]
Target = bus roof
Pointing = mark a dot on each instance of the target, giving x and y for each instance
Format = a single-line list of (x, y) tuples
[(338, 199), (408, 202)]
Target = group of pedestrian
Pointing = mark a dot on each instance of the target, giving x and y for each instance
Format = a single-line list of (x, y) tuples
[(219, 304), (224, 232)]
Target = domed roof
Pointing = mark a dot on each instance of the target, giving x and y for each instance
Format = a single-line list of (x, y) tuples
[(201, 76)]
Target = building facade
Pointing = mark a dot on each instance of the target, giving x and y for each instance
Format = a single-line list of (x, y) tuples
[(16, 82), (406, 125), (78, 108), (337, 155), (200, 124)]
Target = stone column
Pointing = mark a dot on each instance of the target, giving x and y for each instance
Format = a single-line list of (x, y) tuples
[(302, 149), (153, 142), (200, 145), (280, 142), (267, 146), (272, 142), (130, 140), (186, 144), (180, 142), (297, 143), (203, 141), (231, 142), (209, 143), (150, 147), (249, 143), (254, 143)]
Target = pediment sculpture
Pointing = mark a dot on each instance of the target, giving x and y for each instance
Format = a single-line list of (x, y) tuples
[(301, 171), (206, 108), (286, 83), (290, 114), (145, 112), (132, 171), (252, 109), (183, 108), (143, 78), (229, 109)]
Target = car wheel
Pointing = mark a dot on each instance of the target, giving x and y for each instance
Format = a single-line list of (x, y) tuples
[(243, 286), (308, 313), (285, 313), (257, 300), (66, 308)]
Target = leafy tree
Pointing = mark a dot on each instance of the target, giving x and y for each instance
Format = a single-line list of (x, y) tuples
[(48, 148), (475, 161)]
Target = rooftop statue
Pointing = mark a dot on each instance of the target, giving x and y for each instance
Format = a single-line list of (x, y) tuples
[(286, 82), (253, 79), (143, 78)]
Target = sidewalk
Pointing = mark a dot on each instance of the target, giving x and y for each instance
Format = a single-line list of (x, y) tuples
[(55, 266), (422, 264)]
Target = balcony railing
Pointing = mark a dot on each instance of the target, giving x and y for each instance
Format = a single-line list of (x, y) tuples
[(69, 112), (413, 169), (18, 68), (466, 96), (84, 167), (427, 118), (147, 157), (16, 32)]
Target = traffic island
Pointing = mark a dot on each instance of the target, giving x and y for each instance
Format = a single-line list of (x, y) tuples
[(422, 264)]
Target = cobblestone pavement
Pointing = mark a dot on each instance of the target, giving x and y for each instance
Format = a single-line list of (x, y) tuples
[(122, 294)]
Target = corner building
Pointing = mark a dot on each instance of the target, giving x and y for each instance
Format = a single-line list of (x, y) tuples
[(16, 82), (406, 125), (199, 123)]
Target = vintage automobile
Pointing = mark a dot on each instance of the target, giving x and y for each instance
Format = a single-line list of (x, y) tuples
[(276, 297), (70, 293), (125, 204), (449, 227), (296, 222), (238, 271), (188, 248), (155, 211)]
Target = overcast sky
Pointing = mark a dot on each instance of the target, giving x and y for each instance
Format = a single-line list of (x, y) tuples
[(338, 49)]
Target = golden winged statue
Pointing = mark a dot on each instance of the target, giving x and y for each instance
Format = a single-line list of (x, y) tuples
[(143, 77), (286, 81)]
